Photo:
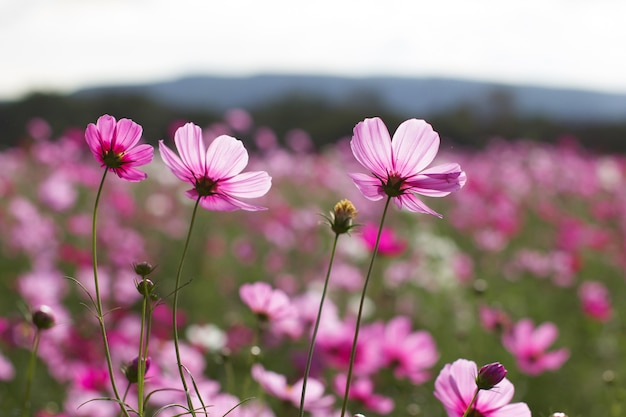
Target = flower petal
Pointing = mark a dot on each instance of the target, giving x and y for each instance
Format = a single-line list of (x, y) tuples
[(513, 410), (190, 146), (412, 203), (497, 397), (106, 130), (174, 163), (371, 146), (226, 157), (130, 174), (438, 181), (247, 185), (127, 134), (139, 155), (415, 144), (369, 186)]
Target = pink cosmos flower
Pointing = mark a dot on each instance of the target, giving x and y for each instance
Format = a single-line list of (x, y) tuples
[(456, 385), (595, 300), (410, 353), (215, 173), (398, 165), (276, 385), (268, 304), (114, 144), (529, 346)]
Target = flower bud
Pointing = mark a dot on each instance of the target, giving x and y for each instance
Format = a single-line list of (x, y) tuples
[(43, 318), (490, 375), (341, 217), (143, 269), (145, 287), (131, 370)]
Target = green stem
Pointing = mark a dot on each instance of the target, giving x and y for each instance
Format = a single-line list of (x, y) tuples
[(470, 407), (175, 309), (317, 325), (99, 309), (30, 374), (360, 313), (143, 351)]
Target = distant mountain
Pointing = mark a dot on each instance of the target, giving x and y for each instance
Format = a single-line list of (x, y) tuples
[(408, 96)]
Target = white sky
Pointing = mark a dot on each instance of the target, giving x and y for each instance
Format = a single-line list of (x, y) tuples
[(61, 45)]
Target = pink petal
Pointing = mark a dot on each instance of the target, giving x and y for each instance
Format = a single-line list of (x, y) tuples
[(174, 163), (275, 384), (369, 186), (106, 129), (495, 398), (446, 391), (247, 185), (371, 146), (544, 335), (415, 144), (226, 157), (128, 134), (140, 155), (131, 174), (92, 137), (513, 410), (464, 372), (412, 203), (438, 181), (554, 360), (190, 146)]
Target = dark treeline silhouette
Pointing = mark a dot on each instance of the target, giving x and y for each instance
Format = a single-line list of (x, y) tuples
[(466, 125)]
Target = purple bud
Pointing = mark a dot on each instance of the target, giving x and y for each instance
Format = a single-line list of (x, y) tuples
[(131, 369), (490, 375), (43, 318), (143, 269)]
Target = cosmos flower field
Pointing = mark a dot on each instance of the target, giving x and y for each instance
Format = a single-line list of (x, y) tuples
[(526, 268)]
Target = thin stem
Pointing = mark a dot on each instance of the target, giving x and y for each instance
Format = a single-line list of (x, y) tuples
[(470, 407), (360, 313), (175, 309), (317, 325), (143, 351), (99, 309), (30, 374)]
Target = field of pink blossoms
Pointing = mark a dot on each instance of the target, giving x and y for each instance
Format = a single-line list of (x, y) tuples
[(526, 268)]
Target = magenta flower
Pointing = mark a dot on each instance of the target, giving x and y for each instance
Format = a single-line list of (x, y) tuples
[(411, 354), (398, 165), (529, 346), (114, 144), (215, 173), (456, 386), (595, 300)]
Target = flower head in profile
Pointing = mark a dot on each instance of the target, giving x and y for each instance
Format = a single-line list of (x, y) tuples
[(456, 386), (215, 172), (114, 144), (398, 165)]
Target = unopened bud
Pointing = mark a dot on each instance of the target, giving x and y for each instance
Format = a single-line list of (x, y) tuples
[(145, 287), (490, 375), (131, 370), (341, 217), (43, 318), (143, 269)]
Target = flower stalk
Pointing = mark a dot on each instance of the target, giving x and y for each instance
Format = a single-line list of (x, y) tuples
[(360, 312)]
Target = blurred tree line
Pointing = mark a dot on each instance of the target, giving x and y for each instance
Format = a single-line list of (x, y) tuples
[(466, 125)]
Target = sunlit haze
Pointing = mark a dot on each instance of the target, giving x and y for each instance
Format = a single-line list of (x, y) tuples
[(64, 45)]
